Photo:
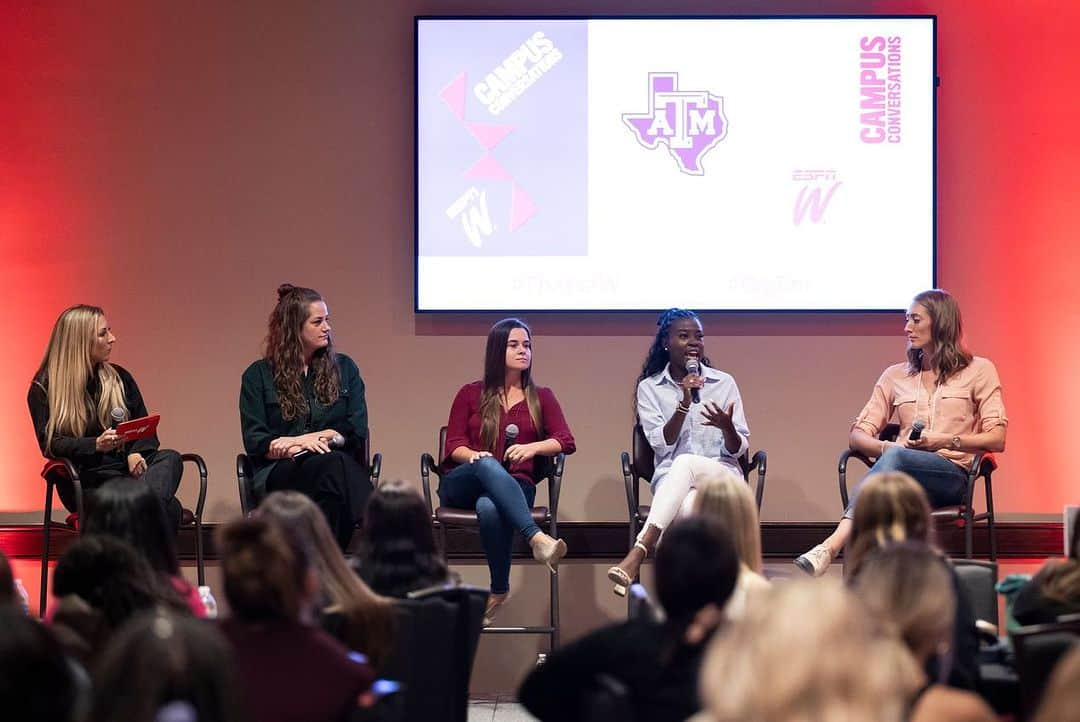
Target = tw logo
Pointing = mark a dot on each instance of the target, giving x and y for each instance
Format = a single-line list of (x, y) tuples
[(810, 199), (688, 122), (471, 207)]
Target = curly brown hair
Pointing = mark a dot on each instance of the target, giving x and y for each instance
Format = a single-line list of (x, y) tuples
[(284, 351)]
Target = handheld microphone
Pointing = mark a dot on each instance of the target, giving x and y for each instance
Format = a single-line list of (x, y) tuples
[(117, 415), (337, 441), (510, 437), (917, 429), (693, 366)]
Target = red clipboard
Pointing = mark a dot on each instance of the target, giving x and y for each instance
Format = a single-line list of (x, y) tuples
[(138, 428)]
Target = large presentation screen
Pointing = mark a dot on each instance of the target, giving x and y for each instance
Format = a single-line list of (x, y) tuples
[(710, 163)]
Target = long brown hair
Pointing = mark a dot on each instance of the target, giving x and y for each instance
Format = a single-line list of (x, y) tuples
[(495, 380), (265, 567), (65, 371), (947, 331), (284, 351), (891, 508), (369, 618)]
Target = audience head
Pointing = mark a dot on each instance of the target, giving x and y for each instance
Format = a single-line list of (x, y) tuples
[(36, 680), (807, 651), (1061, 698), (128, 509), (908, 589), (9, 596), (725, 496), (891, 507), (268, 571), (111, 577), (696, 570), (162, 662), (299, 330), (369, 618), (934, 326), (397, 551), (79, 346)]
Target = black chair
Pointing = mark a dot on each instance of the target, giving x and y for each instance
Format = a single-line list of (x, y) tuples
[(435, 641), (962, 514), (641, 607), (977, 580), (1038, 648), (639, 464), (245, 475), (546, 517), (63, 471)]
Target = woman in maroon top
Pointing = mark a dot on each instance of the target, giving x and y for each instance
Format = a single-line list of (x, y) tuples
[(473, 477)]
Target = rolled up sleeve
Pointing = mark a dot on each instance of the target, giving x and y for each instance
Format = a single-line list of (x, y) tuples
[(877, 410), (651, 417), (986, 390), (555, 425)]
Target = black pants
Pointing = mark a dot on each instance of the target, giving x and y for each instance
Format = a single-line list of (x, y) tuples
[(338, 485), (163, 470)]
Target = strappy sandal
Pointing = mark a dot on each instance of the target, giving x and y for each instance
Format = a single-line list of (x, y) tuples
[(619, 576)]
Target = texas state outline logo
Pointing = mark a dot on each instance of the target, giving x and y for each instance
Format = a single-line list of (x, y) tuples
[(689, 122)]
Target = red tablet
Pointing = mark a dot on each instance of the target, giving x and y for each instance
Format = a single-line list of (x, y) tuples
[(138, 428)]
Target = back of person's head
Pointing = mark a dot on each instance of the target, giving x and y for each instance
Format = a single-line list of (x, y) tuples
[(397, 550), (891, 507), (696, 567), (806, 651), (725, 496), (36, 680), (369, 618), (908, 589), (160, 661), (110, 576), (129, 509), (9, 596), (1061, 698), (267, 570)]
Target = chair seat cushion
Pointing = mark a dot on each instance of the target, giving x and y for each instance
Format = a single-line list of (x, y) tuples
[(187, 517), (467, 517)]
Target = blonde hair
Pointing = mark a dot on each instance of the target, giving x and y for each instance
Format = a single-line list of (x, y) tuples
[(908, 589), (369, 617), (725, 496), (891, 507), (66, 370), (808, 651)]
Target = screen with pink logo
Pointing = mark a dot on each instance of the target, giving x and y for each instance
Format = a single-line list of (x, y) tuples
[(712, 163)]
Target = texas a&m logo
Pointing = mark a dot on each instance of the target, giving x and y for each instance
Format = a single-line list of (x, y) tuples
[(688, 122)]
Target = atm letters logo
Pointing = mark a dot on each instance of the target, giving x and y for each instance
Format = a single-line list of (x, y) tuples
[(689, 122)]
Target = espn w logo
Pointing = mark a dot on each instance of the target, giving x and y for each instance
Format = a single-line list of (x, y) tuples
[(471, 207), (814, 196)]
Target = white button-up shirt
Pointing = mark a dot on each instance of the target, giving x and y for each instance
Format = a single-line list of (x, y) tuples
[(657, 398)]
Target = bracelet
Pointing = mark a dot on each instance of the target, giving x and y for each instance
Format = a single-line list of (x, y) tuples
[(682, 408)]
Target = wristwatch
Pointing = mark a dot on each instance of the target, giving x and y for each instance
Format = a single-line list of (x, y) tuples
[(956, 443)]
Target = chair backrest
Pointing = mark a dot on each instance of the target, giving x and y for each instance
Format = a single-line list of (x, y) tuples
[(643, 461), (1038, 649), (434, 648), (245, 474), (606, 698), (641, 607), (977, 580)]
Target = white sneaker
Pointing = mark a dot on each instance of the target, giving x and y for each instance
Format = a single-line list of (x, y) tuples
[(816, 561)]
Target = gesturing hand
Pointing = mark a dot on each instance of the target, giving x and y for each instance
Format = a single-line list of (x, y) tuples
[(715, 416), (108, 441)]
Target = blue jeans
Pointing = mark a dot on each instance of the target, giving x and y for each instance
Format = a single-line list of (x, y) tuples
[(502, 505), (943, 481)]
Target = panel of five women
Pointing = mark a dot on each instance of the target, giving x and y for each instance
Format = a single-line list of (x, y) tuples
[(303, 394)]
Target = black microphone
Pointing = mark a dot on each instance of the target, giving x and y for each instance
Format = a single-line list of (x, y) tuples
[(508, 441), (337, 441), (916, 430), (694, 367)]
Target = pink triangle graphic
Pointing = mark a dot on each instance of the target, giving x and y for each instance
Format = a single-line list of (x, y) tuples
[(454, 96), (522, 207), (489, 168), (489, 135)]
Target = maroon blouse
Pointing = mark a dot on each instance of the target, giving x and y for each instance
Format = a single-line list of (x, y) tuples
[(463, 427)]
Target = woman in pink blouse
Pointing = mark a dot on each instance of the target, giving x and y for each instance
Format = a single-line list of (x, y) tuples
[(481, 471), (955, 396)]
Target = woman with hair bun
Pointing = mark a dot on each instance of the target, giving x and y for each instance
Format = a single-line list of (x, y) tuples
[(300, 400), (73, 398)]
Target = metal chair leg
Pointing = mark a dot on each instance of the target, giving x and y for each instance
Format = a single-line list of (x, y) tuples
[(45, 535)]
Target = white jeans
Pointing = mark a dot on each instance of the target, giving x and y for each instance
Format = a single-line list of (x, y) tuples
[(675, 494)]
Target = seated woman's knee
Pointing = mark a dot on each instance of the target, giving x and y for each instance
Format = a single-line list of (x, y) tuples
[(485, 508)]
